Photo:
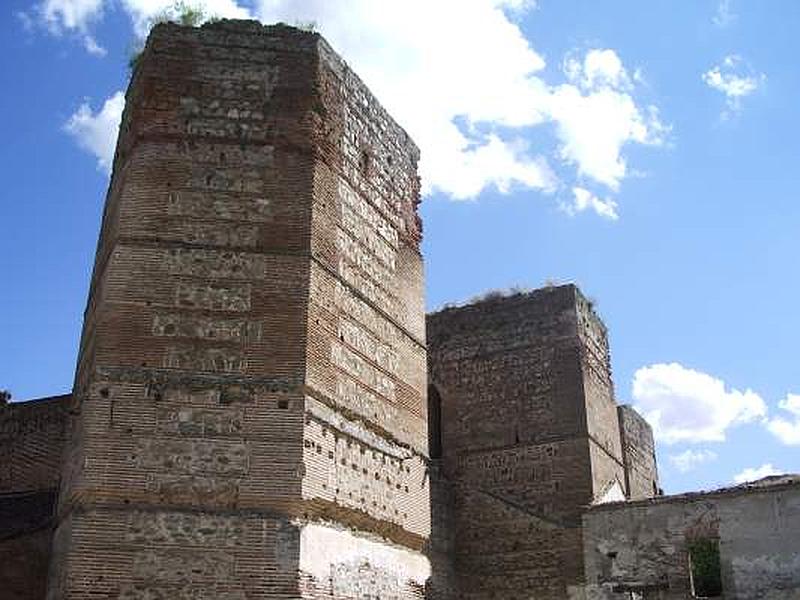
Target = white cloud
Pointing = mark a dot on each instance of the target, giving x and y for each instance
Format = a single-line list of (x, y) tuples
[(786, 430), (97, 132), (61, 15), (583, 200), (596, 116), (28, 24), (142, 12), (78, 16), (736, 80), (754, 474), (471, 110), (684, 405), (92, 47), (689, 459), (791, 403), (70, 16), (600, 68), (724, 15), (422, 60)]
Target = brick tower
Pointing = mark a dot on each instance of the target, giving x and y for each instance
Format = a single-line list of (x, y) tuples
[(529, 438), (248, 417)]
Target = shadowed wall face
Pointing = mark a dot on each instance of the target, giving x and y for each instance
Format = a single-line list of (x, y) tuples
[(639, 452), (31, 442), (602, 421), (515, 442), (748, 536), (530, 439), (252, 359)]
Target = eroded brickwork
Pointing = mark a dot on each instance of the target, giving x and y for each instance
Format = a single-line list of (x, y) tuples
[(639, 453), (516, 435), (251, 384), (530, 438), (251, 412), (32, 436), (603, 430), (643, 547)]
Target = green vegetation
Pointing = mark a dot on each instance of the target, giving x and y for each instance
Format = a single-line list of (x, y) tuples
[(706, 576), (186, 14), (180, 12), (310, 26)]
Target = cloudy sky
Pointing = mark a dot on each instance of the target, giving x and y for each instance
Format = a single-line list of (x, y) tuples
[(644, 150)]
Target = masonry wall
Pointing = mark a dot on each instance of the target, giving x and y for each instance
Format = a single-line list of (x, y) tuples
[(643, 546), (366, 430), (228, 328), (443, 582), (31, 442), (32, 438), (602, 422), (26, 531), (639, 454), (515, 443)]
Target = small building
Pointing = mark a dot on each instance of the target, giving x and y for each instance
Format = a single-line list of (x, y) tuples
[(738, 542)]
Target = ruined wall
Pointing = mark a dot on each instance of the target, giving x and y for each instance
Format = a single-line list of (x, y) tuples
[(31, 443), (639, 454), (365, 439), (26, 531), (515, 444), (643, 546), (602, 423), (239, 322), (443, 582)]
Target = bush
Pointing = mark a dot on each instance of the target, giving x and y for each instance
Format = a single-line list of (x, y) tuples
[(706, 575), (182, 13)]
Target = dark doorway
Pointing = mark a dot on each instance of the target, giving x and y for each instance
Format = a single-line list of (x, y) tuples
[(704, 561)]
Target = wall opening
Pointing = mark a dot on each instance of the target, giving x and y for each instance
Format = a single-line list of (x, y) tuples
[(705, 568), (434, 422)]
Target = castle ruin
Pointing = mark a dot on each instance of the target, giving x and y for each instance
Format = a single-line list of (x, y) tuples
[(261, 409)]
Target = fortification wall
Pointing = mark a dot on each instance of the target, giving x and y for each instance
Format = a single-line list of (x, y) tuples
[(31, 443), (365, 435), (514, 440), (644, 547), (602, 423), (255, 289), (508, 370), (26, 531), (444, 580), (639, 454)]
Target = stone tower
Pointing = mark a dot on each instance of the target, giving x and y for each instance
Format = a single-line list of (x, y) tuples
[(529, 437), (248, 416)]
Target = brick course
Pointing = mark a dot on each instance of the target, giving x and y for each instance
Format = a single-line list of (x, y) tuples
[(530, 438), (250, 413), (253, 361)]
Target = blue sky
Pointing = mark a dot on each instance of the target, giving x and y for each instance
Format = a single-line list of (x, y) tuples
[(646, 151)]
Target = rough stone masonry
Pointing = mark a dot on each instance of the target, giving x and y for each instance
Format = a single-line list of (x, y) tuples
[(257, 415), (248, 417), (530, 437)]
